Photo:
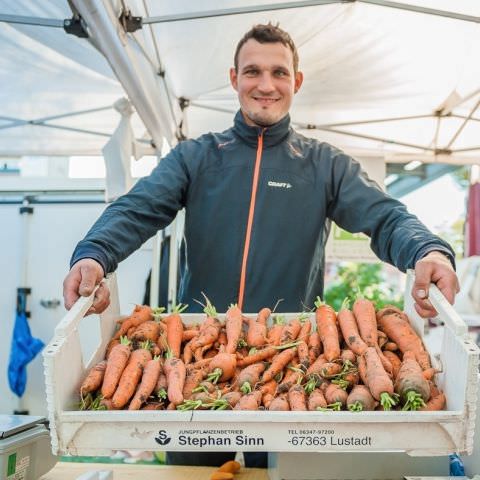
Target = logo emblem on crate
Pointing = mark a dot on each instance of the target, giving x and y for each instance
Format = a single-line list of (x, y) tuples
[(163, 438)]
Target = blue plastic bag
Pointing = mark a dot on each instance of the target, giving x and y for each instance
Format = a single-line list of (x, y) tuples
[(23, 350), (456, 466)]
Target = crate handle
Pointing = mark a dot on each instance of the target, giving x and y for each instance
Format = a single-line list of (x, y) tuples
[(448, 314), (74, 315), (451, 318)]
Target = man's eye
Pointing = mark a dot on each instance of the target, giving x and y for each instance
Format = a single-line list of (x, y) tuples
[(251, 72), (280, 73)]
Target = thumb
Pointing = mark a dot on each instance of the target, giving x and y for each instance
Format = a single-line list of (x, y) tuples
[(423, 277), (88, 281)]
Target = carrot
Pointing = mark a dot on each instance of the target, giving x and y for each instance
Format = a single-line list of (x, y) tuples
[(297, 398), (394, 360), (221, 476), (175, 329), (437, 399), (312, 374), (347, 355), (149, 330), (231, 466), (335, 396), (256, 356), (250, 401), (293, 375), (176, 373), (389, 310), (327, 329), (364, 312), (94, 378), (257, 328), (233, 327), (316, 400), (131, 376), (279, 362), (250, 376), (153, 406), (410, 384), (350, 329), (232, 398), (222, 367), (377, 379), (360, 399), (210, 329), (275, 332), (106, 403), (187, 353), (398, 329), (140, 314), (429, 373), (303, 337), (116, 363), (390, 347), (314, 347), (192, 380), (362, 368), (290, 331), (198, 353), (279, 403), (382, 338), (187, 335), (151, 372), (111, 344)]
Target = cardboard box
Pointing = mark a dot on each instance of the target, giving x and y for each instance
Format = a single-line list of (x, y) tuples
[(416, 433)]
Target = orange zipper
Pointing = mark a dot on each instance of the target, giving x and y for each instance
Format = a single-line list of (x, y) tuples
[(251, 211)]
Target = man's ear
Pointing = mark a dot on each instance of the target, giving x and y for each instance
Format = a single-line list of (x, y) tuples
[(298, 81), (233, 78)]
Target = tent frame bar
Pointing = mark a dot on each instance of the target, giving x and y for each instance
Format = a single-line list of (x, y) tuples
[(222, 12), (305, 3), (331, 128), (37, 21), (52, 22), (425, 10), (462, 126)]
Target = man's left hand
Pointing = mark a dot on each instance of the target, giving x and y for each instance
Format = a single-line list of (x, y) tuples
[(435, 268)]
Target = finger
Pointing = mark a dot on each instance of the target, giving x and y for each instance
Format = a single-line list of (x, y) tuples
[(429, 312), (70, 289), (89, 280), (449, 287), (102, 299), (423, 276)]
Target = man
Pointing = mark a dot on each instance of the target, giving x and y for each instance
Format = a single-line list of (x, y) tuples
[(259, 201)]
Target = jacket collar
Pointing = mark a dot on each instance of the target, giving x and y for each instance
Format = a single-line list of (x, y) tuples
[(271, 135)]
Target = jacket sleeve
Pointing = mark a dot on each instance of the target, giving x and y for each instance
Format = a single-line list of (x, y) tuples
[(358, 204), (133, 218)]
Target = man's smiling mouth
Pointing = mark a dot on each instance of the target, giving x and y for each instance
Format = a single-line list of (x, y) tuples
[(266, 100)]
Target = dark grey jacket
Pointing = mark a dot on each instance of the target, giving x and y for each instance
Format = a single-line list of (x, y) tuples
[(303, 185)]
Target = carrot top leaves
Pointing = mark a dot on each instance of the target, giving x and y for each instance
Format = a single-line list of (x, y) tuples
[(157, 313), (318, 302), (179, 308), (414, 401), (345, 304)]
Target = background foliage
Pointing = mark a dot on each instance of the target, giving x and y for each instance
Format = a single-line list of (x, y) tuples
[(367, 278)]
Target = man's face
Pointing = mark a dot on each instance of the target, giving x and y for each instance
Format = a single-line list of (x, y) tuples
[(265, 81)]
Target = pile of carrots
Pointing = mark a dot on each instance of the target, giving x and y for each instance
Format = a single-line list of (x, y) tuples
[(356, 359)]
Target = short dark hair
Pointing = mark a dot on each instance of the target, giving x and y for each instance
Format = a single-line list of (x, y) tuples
[(268, 33)]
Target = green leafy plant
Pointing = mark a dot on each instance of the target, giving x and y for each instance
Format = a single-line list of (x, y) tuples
[(366, 278)]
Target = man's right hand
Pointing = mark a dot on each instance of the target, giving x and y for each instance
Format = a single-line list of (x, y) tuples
[(82, 279)]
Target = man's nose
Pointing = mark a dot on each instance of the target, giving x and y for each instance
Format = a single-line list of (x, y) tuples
[(266, 83)]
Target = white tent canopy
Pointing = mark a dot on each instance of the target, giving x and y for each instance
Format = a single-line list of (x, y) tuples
[(365, 65)]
